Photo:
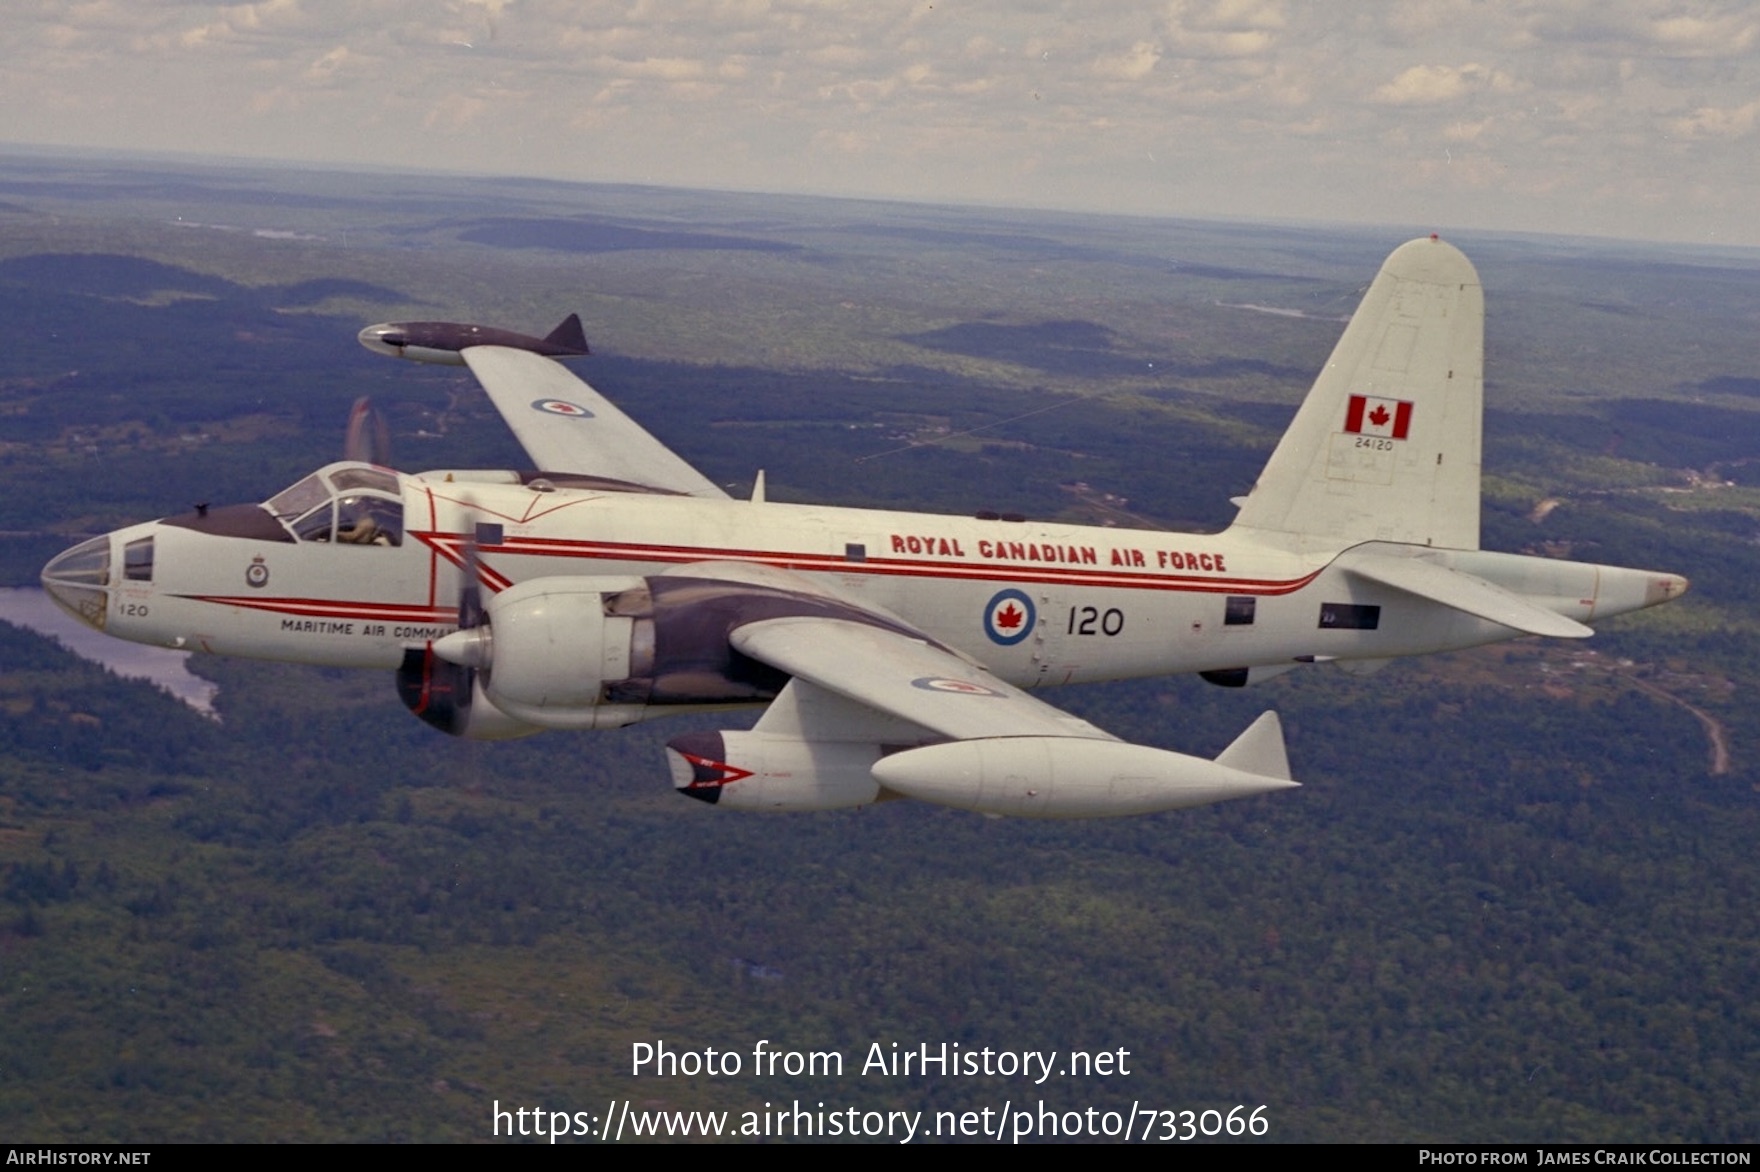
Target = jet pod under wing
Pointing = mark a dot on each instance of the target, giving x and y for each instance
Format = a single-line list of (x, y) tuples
[(1063, 777), (1010, 753), (566, 426)]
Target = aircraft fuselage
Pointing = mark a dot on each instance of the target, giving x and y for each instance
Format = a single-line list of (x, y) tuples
[(1038, 603)]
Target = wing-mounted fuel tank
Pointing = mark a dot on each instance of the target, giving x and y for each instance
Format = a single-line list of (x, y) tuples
[(585, 652)]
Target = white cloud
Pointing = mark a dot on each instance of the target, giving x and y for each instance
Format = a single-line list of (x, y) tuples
[(1726, 34), (1466, 131), (236, 22), (326, 67), (1193, 106), (1424, 85), (1718, 122), (1224, 28), (661, 68), (1132, 64), (1682, 28)]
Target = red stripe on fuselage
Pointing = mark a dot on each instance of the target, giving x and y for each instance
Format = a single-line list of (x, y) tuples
[(334, 608), (552, 547), (450, 545)]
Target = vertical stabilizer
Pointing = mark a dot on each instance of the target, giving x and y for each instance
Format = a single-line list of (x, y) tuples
[(569, 336), (1386, 445)]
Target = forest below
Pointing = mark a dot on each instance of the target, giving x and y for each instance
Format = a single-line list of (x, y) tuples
[(1511, 901)]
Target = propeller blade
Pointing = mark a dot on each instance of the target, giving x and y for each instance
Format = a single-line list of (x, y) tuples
[(470, 593), (368, 439)]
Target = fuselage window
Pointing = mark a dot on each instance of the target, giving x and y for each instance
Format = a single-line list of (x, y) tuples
[(137, 560), (1349, 616)]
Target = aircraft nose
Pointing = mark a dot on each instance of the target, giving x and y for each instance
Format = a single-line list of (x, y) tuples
[(1664, 587), (78, 578)]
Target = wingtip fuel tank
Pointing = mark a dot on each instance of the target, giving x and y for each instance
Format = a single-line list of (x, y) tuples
[(444, 342)]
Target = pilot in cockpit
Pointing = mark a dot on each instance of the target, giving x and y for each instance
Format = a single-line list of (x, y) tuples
[(367, 520), (348, 504)]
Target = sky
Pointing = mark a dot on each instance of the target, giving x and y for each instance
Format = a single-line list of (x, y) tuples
[(1628, 118)]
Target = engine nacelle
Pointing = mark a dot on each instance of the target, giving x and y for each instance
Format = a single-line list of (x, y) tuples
[(606, 652), (759, 771), (553, 647)]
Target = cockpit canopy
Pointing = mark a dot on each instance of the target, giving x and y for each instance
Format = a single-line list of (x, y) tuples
[(348, 503)]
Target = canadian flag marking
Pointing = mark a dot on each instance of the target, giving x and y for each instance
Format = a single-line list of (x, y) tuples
[(1387, 418)]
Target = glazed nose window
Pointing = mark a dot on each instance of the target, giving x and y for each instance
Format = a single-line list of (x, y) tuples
[(77, 578)]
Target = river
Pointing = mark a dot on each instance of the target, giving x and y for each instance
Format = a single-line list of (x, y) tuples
[(29, 607)]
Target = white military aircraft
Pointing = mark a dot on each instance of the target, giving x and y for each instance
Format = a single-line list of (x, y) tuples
[(898, 652)]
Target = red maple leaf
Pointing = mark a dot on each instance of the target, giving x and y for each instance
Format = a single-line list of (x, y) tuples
[(1379, 416), (1008, 618)]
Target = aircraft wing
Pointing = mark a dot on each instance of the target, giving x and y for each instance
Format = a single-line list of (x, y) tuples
[(908, 678), (1006, 752), (566, 426)]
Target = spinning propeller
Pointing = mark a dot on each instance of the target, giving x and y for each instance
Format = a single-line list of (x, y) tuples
[(439, 682)]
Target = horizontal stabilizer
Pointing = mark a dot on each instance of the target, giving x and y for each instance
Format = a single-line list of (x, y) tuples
[(1462, 592)]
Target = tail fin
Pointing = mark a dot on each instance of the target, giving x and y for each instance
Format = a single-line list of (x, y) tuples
[(569, 334), (1386, 445), (1259, 750)]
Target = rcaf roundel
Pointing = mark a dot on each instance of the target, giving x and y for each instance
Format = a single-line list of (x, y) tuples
[(953, 687), (1009, 617), (1387, 418), (562, 407)]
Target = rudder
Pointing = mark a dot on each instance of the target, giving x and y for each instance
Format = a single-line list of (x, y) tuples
[(1386, 445)]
